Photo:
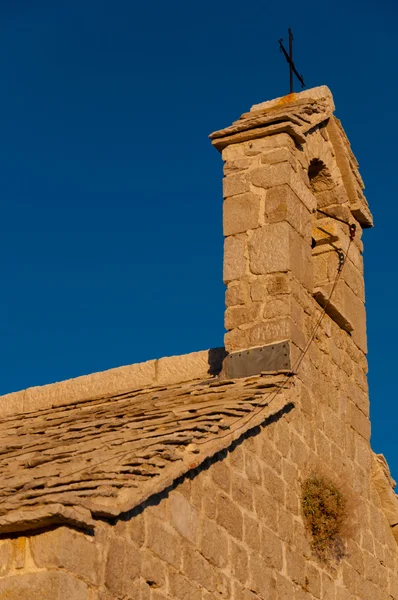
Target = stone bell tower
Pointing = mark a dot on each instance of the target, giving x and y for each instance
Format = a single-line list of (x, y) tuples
[(291, 192)]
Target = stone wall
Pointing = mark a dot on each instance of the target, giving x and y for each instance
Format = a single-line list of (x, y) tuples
[(163, 371), (233, 528)]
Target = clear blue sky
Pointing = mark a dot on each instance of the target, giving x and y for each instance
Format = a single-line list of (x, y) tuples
[(111, 241)]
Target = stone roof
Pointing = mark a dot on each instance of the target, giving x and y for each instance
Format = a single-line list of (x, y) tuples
[(107, 454), (295, 114)]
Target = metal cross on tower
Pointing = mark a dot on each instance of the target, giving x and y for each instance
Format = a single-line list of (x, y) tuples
[(289, 58)]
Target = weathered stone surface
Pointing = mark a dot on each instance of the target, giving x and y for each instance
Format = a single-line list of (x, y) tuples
[(238, 292), (277, 155), (283, 174), (296, 114), (43, 586), (122, 379), (269, 249), (173, 369), (282, 204), (234, 257), (81, 388), (263, 145), (6, 554), (122, 567), (348, 167), (198, 569), (240, 315), (182, 588), (204, 478), (235, 184), (65, 467), (214, 544), (384, 485), (63, 548), (184, 518), (229, 516), (27, 518), (241, 213)]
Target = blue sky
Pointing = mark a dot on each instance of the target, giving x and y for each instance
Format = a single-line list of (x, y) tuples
[(111, 240)]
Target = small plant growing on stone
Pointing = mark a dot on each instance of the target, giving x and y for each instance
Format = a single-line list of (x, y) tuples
[(325, 512)]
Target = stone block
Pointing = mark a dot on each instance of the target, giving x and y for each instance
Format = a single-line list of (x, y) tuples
[(11, 404), (82, 388), (122, 566), (235, 316), (266, 508), (284, 588), (176, 369), (269, 249), (278, 283), (277, 306), (184, 517), (239, 164), (223, 585), (253, 469), (136, 529), (234, 257), (268, 332), (239, 562), (285, 518), (6, 553), (242, 491), (331, 197), (64, 548), (181, 588), (229, 516), (271, 456), (234, 152), (214, 544), (155, 595), (197, 569), (220, 474), (359, 422), (44, 585), (251, 533), (295, 566), (163, 542), (281, 174), (271, 549), (236, 339), (209, 499), (301, 260), (258, 289), (235, 184), (273, 156), (274, 485), (313, 579), (237, 293), (260, 145), (282, 204), (153, 569), (262, 579), (241, 213)]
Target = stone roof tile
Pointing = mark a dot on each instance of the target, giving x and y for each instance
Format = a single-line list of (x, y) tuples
[(107, 455)]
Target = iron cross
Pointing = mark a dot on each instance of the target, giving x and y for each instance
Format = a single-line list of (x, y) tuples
[(289, 58)]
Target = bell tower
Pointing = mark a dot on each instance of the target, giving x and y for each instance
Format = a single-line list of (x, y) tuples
[(293, 214)]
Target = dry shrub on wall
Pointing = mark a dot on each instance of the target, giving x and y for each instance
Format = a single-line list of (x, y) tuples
[(325, 510)]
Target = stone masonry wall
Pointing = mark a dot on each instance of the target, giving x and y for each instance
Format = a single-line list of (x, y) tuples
[(234, 527)]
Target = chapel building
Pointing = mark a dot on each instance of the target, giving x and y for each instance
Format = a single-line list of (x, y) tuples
[(242, 472)]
